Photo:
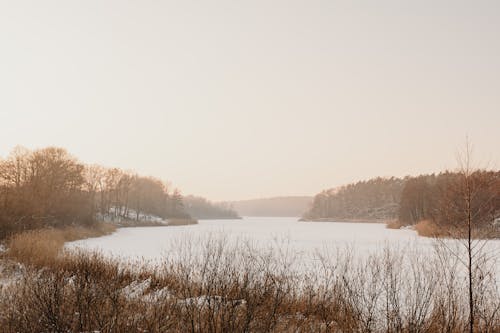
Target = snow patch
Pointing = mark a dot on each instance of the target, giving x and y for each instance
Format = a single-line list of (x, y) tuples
[(117, 216), (206, 301), (157, 295), (136, 289)]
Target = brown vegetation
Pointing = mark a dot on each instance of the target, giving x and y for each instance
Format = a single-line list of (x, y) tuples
[(394, 224), (241, 289), (41, 247), (441, 199), (427, 228)]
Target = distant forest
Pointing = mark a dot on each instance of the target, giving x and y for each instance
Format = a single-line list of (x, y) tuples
[(278, 206), (201, 208), (436, 197), (374, 199)]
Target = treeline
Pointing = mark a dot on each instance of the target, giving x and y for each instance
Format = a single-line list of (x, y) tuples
[(50, 187), (118, 195), (442, 199), (374, 199), (201, 208)]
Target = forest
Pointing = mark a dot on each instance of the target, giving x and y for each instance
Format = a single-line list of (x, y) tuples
[(441, 200), (437, 199), (375, 199), (50, 188)]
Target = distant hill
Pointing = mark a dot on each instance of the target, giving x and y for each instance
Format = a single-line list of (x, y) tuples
[(201, 208), (278, 206)]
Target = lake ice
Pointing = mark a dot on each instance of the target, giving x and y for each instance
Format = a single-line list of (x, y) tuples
[(304, 239)]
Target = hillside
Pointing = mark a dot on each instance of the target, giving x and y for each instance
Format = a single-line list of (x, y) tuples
[(277, 206)]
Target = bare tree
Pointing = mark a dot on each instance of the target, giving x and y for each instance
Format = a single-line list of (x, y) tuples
[(469, 204)]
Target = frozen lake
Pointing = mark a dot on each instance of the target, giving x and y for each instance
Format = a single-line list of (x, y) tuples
[(303, 239)]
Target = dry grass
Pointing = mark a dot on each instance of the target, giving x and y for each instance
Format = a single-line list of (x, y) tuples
[(395, 224), (41, 247), (428, 228)]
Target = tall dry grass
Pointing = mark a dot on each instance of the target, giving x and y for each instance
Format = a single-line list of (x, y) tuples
[(394, 224), (41, 247), (427, 228)]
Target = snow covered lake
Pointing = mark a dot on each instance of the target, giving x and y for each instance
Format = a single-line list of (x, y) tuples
[(304, 239)]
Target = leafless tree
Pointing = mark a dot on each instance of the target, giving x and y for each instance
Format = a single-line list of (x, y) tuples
[(469, 206)]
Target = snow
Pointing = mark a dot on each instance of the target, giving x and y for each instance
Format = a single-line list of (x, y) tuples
[(116, 216), (205, 301), (136, 289), (303, 239), (306, 237), (11, 272), (157, 295), (141, 290)]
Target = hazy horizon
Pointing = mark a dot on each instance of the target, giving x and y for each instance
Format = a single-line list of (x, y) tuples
[(235, 101)]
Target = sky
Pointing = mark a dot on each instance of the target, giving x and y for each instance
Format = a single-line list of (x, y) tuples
[(243, 99)]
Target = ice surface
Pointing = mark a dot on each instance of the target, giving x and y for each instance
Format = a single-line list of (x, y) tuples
[(303, 238)]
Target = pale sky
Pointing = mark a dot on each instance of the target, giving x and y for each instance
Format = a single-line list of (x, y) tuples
[(242, 99)]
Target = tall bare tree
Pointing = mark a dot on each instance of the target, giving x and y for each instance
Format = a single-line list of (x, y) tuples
[(469, 205)]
